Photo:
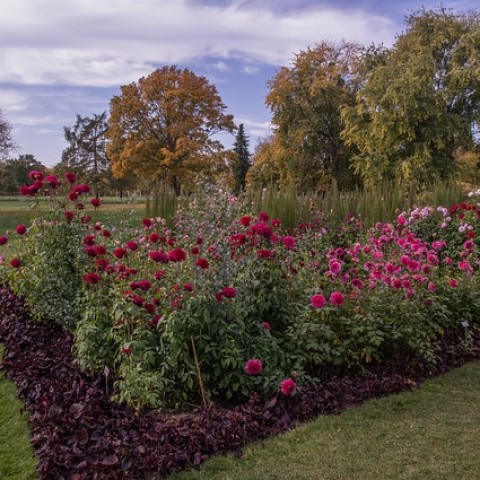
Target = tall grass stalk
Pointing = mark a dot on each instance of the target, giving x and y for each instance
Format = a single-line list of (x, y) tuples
[(380, 203)]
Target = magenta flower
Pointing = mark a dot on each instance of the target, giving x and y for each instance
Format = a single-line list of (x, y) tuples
[(266, 326), (95, 202), (246, 220), (202, 263), (336, 298), (91, 278), (35, 175), (21, 229), (465, 266), (289, 242), (253, 366), (3, 240), (119, 252), (288, 386), (176, 255), (335, 267), (71, 177), (158, 256), (318, 301), (263, 217), (229, 292), (15, 262)]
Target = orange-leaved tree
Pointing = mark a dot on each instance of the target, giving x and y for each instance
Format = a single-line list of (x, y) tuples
[(161, 128)]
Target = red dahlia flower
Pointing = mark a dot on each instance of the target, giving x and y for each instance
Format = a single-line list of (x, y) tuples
[(15, 262), (288, 386), (21, 229), (318, 301), (253, 366), (71, 177)]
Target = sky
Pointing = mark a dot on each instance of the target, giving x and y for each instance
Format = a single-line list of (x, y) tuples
[(60, 58)]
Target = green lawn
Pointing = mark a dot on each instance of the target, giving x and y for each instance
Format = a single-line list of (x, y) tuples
[(17, 461), (429, 434), (18, 210)]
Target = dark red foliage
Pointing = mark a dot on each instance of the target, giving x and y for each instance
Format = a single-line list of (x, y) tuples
[(79, 434)]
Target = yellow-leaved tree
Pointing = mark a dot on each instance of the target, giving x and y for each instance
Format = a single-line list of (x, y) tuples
[(161, 129)]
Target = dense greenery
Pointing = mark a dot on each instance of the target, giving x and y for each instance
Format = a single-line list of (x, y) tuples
[(378, 114)]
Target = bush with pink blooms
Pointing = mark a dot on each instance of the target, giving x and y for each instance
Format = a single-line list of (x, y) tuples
[(227, 302)]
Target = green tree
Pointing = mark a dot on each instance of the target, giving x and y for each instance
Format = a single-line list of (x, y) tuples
[(161, 128), (6, 140), (419, 102), (241, 161), (305, 100), (14, 172), (86, 153)]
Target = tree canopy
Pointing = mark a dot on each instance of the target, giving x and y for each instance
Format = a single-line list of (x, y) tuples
[(86, 152), (419, 102), (161, 128), (241, 161), (305, 100)]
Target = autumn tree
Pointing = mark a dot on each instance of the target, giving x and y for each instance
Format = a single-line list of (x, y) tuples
[(305, 100), (86, 153), (269, 166), (419, 102), (6, 141), (162, 128), (241, 161)]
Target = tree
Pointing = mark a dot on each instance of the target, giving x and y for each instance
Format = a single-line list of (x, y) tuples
[(14, 172), (305, 100), (6, 141), (269, 164), (161, 128), (86, 153), (419, 102), (241, 162)]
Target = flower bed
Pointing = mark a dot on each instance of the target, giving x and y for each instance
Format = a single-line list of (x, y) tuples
[(78, 433), (225, 308)]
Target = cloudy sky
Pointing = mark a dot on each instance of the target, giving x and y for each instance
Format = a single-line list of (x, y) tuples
[(63, 57)]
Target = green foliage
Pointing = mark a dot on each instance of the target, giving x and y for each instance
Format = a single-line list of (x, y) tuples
[(305, 100), (86, 154), (418, 102), (14, 172), (50, 278), (241, 161)]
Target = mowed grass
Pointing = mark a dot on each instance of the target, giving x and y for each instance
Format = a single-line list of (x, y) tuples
[(431, 433), (17, 461), (112, 211)]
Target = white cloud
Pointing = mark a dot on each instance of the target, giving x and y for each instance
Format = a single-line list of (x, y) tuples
[(12, 101), (111, 42), (250, 69)]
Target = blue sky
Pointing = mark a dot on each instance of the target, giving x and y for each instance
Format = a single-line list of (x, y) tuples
[(63, 57)]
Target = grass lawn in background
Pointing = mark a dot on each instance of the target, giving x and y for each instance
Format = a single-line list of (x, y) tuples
[(18, 210), (428, 434), (17, 461)]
